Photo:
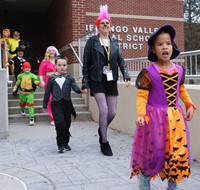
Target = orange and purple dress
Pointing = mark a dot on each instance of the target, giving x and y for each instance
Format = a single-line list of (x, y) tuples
[(162, 146)]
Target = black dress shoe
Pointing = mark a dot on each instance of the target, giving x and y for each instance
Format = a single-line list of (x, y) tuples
[(61, 149), (106, 149), (67, 147), (14, 93)]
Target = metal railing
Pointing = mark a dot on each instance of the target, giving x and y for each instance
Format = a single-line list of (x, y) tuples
[(82, 41), (81, 45), (4, 59), (78, 58), (190, 60)]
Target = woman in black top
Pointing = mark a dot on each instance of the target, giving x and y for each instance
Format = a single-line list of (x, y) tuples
[(101, 60)]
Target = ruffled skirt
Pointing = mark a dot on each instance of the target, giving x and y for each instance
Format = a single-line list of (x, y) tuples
[(162, 147)]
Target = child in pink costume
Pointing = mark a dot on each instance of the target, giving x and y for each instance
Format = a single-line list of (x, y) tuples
[(46, 69)]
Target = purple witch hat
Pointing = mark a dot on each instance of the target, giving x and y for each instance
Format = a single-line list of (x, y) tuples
[(168, 29)]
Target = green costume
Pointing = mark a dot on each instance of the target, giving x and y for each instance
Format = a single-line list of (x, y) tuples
[(26, 82)]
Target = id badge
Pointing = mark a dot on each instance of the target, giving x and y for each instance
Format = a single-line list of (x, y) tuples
[(109, 75), (105, 69)]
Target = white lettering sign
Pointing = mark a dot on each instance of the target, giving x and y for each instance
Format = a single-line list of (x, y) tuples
[(129, 38)]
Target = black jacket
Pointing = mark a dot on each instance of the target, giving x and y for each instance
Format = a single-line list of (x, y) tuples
[(94, 59), (59, 93), (29, 57), (17, 65)]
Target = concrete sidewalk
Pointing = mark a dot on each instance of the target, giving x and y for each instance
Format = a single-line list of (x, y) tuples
[(29, 161)]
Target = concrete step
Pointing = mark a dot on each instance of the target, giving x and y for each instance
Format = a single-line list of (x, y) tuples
[(39, 101), (14, 111), (39, 109), (38, 89), (38, 95), (17, 118)]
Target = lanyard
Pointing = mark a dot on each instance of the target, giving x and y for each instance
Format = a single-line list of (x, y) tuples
[(107, 50)]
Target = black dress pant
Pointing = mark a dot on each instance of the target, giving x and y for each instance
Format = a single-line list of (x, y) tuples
[(62, 117), (15, 93)]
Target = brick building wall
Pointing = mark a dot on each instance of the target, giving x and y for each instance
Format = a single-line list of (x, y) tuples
[(67, 20), (133, 22)]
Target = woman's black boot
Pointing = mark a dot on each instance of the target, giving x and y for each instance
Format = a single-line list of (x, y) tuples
[(106, 149)]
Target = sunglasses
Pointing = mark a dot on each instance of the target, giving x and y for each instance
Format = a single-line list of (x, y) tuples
[(104, 23)]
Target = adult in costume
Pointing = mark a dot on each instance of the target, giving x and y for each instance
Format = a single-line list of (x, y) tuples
[(46, 69), (101, 62)]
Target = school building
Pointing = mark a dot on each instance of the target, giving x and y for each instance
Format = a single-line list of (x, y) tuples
[(63, 22)]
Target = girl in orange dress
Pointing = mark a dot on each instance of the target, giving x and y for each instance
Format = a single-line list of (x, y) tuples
[(161, 141)]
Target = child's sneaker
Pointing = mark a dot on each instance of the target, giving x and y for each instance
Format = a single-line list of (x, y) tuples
[(172, 185), (31, 122), (67, 147), (61, 149), (23, 113), (144, 182)]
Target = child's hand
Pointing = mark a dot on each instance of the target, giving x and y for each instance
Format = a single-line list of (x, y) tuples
[(42, 83), (140, 121), (189, 113), (84, 90), (45, 110), (14, 89), (127, 83)]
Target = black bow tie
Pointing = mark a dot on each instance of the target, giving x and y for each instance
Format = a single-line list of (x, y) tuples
[(62, 75)]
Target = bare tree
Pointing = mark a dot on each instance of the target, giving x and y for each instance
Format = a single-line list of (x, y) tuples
[(192, 24)]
